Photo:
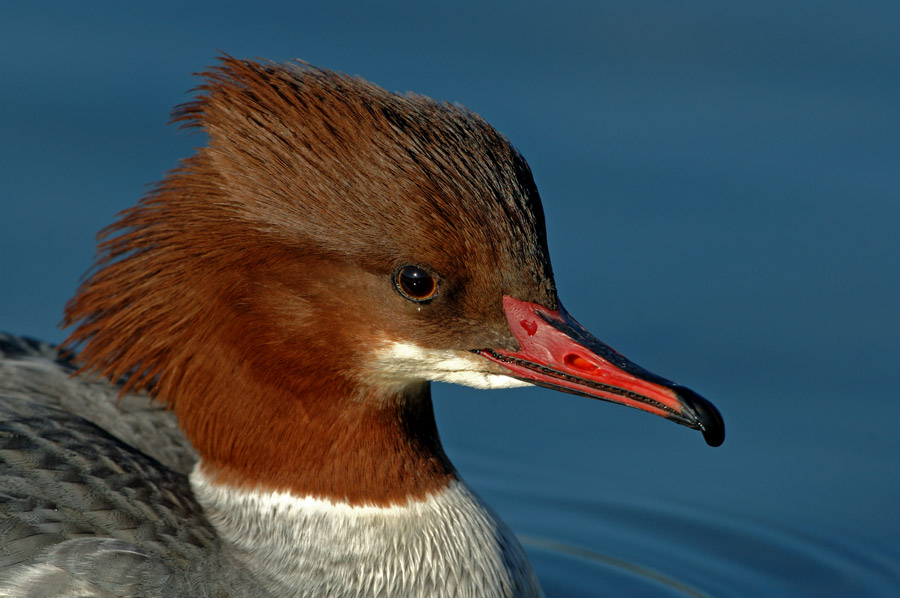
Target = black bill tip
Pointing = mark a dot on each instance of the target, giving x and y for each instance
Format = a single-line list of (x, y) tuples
[(709, 420)]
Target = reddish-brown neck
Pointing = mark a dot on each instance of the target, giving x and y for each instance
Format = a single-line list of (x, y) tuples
[(344, 446), (264, 375)]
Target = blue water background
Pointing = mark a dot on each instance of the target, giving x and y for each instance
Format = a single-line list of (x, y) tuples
[(722, 188)]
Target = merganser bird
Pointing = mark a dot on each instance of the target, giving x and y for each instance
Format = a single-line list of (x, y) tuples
[(287, 294)]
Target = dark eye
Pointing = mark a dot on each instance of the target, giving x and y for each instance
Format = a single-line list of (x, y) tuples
[(415, 283)]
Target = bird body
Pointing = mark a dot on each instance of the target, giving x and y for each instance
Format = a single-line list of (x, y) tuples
[(285, 296)]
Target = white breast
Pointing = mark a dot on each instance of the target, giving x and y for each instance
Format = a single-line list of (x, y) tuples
[(450, 544)]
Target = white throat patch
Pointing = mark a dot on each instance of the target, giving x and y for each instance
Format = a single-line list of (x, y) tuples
[(405, 363)]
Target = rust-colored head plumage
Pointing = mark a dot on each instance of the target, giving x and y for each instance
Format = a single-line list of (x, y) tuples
[(312, 190), (304, 163)]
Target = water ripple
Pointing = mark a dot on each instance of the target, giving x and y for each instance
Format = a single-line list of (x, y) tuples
[(662, 548)]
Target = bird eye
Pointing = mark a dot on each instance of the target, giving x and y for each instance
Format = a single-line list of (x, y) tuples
[(415, 284)]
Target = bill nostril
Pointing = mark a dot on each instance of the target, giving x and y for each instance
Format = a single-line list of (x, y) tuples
[(578, 362)]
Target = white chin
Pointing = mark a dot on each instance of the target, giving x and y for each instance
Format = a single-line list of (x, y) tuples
[(406, 363)]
